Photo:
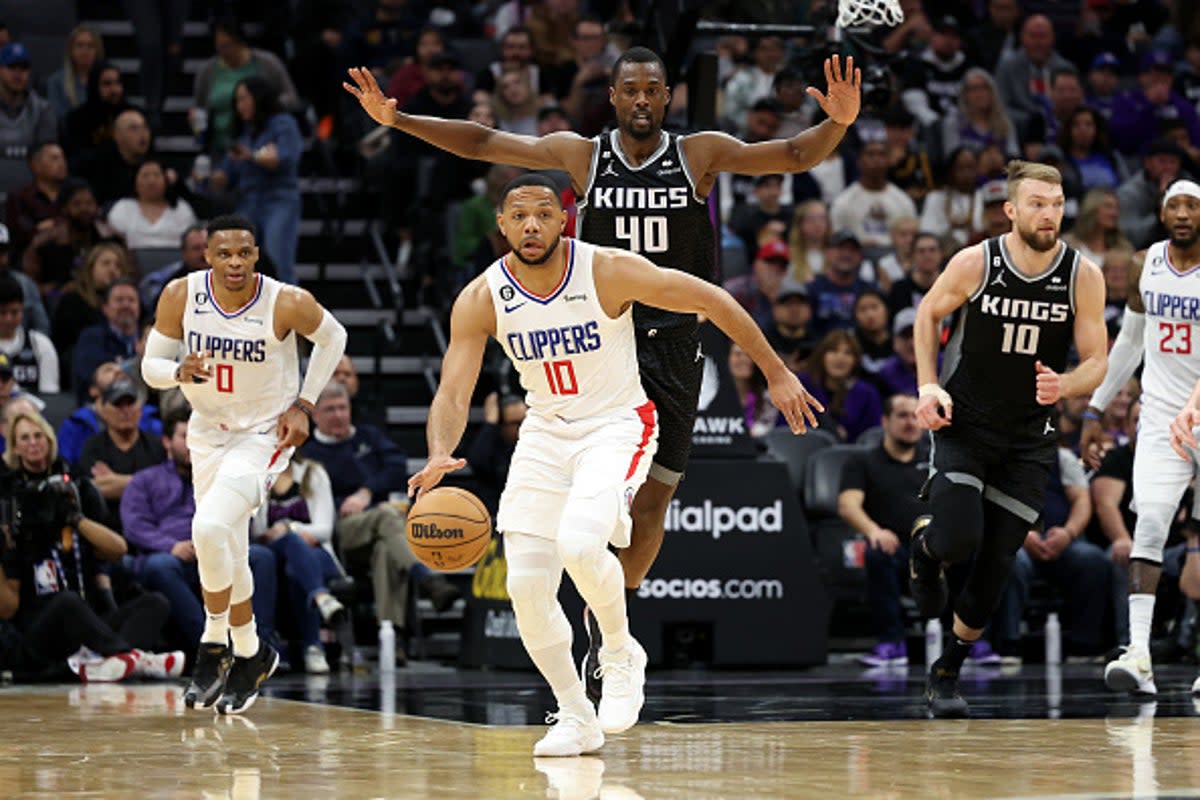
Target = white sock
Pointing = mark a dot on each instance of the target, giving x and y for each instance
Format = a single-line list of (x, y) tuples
[(558, 668), (245, 639), (216, 628), (1141, 614)]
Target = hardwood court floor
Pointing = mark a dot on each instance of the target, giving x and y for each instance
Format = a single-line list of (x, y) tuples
[(124, 741)]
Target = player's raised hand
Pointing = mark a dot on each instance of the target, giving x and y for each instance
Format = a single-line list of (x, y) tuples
[(1183, 434), (432, 473), (935, 407), (291, 429), (793, 401), (843, 96), (1049, 385), (195, 368), (366, 90)]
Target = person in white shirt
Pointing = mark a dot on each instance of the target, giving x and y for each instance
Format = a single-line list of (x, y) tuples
[(152, 219), (869, 205)]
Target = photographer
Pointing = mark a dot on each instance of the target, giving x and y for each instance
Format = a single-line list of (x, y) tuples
[(48, 565)]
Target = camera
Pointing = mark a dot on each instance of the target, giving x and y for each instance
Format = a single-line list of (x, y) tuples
[(36, 512)]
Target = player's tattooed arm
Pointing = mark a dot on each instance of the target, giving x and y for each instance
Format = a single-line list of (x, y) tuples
[(472, 321)]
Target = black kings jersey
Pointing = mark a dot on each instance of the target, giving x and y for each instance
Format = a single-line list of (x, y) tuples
[(1011, 322), (651, 209)]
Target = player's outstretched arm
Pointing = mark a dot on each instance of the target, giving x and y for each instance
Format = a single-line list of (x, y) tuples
[(624, 277), (564, 150), (1091, 334), (952, 289), (297, 310), (711, 152), (472, 321)]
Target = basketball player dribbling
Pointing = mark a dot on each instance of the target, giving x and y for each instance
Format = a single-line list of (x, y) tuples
[(562, 311), (1161, 313), (644, 190), (1022, 299), (249, 412)]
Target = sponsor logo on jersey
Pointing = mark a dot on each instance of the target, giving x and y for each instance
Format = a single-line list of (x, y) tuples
[(568, 340), (1178, 306), (228, 348), (1019, 308), (639, 198), (574, 298)]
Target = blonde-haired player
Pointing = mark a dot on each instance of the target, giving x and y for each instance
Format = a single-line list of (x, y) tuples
[(249, 412), (1159, 327), (561, 309)]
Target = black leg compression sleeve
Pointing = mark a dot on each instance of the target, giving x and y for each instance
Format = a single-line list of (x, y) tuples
[(957, 527), (1004, 534)]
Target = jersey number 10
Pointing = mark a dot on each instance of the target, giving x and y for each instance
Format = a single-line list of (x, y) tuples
[(1021, 339), (561, 377), (643, 234)]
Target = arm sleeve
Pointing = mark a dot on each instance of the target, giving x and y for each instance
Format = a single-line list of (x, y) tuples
[(329, 342), (1124, 358), (160, 360)]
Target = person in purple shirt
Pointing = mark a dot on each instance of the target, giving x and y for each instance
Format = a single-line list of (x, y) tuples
[(831, 375), (156, 510), (1136, 114), (898, 375), (834, 291)]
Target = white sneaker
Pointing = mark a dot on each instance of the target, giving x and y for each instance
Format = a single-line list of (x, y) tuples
[(1131, 672), (572, 778), (624, 677), (314, 660), (112, 669), (158, 666), (570, 735)]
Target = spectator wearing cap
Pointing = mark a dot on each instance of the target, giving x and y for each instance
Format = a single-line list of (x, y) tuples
[(34, 207), (1024, 75), (56, 252), (409, 77), (87, 420), (995, 37), (748, 219), (898, 375), (753, 83), (927, 265), (979, 119), (992, 219), (122, 448), (35, 312), (1103, 81), (908, 160), (1136, 114), (756, 291), (869, 205), (1140, 196), (27, 119), (113, 340), (790, 330), (834, 291), (31, 355), (933, 78)]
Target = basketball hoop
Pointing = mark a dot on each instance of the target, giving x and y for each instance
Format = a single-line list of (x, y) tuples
[(869, 13)]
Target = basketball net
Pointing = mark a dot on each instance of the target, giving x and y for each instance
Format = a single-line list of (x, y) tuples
[(872, 13)]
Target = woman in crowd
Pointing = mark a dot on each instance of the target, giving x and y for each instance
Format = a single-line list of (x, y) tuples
[(980, 119), (831, 376), (951, 209), (873, 329), (68, 87), (897, 262), (761, 414), (79, 305), (155, 217), (1084, 143), (807, 241), (1098, 227)]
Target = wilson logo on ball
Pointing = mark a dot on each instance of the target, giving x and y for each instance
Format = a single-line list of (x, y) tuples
[(432, 531)]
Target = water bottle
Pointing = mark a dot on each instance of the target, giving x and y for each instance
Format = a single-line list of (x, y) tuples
[(1053, 639), (933, 641), (387, 646)]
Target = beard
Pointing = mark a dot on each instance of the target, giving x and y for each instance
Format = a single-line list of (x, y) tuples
[(516, 251), (1035, 239), (650, 132), (1185, 243)]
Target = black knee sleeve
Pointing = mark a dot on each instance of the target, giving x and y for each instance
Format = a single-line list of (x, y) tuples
[(1005, 533), (957, 527)]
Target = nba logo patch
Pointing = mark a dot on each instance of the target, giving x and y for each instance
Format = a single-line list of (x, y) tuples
[(854, 553)]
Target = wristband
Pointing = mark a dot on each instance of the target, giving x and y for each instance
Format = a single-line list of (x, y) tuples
[(1192, 549), (933, 389), (304, 410)]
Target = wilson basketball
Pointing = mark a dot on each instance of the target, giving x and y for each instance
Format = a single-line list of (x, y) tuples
[(448, 529)]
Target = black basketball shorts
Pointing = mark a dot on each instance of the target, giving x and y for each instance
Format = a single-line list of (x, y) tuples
[(672, 369)]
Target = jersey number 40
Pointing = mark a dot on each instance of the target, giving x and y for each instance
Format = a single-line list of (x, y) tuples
[(643, 234)]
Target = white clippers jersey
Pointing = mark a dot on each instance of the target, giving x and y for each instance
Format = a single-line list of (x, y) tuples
[(1172, 338), (255, 376), (575, 362)]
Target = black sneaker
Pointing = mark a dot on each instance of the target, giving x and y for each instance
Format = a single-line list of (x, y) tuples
[(941, 693), (927, 581), (590, 668), (245, 676), (208, 675)]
